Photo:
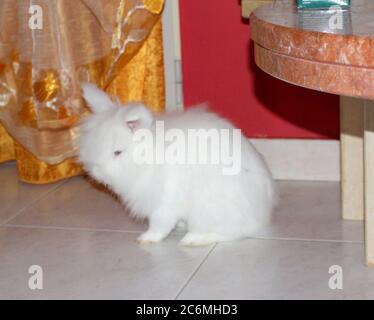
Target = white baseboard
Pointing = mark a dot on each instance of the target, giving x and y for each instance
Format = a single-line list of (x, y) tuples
[(297, 159)]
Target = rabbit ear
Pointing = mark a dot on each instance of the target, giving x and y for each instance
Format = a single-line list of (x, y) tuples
[(138, 117), (97, 99)]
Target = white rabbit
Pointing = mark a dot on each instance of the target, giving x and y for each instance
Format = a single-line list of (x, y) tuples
[(214, 206)]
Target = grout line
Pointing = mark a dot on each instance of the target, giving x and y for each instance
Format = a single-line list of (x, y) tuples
[(287, 181), (27, 226), (306, 240), (33, 226), (195, 271), (30, 226), (30, 204)]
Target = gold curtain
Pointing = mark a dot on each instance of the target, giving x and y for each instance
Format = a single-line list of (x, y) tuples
[(115, 43)]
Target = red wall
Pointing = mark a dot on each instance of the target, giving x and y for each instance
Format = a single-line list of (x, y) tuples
[(218, 68)]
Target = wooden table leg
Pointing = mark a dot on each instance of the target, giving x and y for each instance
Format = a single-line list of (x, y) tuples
[(352, 157), (369, 181)]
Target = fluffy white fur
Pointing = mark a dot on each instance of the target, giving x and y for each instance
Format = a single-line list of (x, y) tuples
[(213, 206)]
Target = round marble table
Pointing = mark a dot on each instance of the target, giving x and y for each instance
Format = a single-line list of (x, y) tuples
[(330, 51)]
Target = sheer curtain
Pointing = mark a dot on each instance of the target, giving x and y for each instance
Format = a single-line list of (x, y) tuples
[(115, 43)]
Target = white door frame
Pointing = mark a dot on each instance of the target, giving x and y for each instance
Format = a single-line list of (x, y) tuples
[(172, 56)]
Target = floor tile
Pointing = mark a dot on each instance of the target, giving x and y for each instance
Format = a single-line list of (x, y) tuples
[(80, 204), (311, 210), (16, 195), (93, 265), (84, 239), (281, 269)]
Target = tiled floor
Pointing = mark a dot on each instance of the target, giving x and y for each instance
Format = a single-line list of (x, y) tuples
[(85, 243)]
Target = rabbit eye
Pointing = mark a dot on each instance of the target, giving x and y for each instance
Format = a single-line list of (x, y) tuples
[(117, 153)]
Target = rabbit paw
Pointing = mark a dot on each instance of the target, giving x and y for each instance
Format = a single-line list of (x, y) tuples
[(150, 237), (196, 239)]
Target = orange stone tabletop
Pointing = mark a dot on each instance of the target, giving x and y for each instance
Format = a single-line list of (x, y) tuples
[(298, 46)]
